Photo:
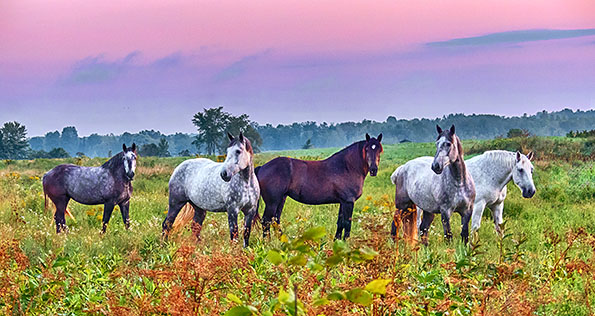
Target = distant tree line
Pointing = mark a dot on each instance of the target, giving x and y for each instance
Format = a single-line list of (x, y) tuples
[(212, 124)]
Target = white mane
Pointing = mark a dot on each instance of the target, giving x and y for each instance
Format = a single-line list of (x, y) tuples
[(506, 158)]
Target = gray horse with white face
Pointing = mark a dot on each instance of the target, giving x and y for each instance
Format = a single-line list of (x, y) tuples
[(436, 185), (491, 171), (109, 184), (229, 187)]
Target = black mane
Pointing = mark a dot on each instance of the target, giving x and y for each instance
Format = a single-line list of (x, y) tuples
[(112, 164), (344, 151)]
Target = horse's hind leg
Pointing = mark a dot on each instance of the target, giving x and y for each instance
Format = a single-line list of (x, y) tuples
[(248, 217), (280, 210), (426, 221), (174, 208), (273, 205), (410, 223), (197, 220), (232, 219), (108, 208), (478, 208), (61, 203)]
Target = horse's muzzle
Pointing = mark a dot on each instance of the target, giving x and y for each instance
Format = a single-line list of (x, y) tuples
[(130, 176), (436, 168), (528, 193), (373, 172), (224, 176)]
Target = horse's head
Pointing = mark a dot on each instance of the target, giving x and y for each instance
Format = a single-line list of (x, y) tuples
[(239, 156), (522, 174), (129, 160), (372, 151), (447, 149)]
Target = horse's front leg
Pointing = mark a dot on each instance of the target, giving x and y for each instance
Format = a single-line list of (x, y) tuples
[(339, 233), (445, 217), (347, 213), (125, 210), (108, 208), (249, 214), (232, 219), (497, 215), (465, 217)]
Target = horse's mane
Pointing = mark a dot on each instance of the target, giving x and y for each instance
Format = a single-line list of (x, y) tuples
[(347, 149), (461, 154), (112, 164), (501, 156)]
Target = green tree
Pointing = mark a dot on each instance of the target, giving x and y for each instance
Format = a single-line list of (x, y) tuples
[(517, 132), (163, 148), (242, 123), (211, 124), (149, 150), (13, 141), (58, 153)]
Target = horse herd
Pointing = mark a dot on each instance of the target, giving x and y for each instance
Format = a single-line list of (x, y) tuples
[(443, 184)]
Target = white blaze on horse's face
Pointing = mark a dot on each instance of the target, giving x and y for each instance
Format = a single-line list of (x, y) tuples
[(445, 154), (522, 174), (129, 164), (238, 159)]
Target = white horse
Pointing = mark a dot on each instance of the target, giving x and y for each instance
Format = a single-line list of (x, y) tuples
[(440, 185), (491, 171), (229, 187)]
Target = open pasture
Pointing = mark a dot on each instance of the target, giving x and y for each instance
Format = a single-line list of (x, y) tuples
[(543, 265)]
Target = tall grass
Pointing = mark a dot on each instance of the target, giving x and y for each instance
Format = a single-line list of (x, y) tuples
[(544, 264)]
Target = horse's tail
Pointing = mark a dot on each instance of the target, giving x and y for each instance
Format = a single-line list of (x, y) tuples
[(185, 215), (393, 177)]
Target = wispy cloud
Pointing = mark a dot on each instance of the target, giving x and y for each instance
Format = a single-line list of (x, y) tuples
[(237, 68), (513, 37), (97, 69)]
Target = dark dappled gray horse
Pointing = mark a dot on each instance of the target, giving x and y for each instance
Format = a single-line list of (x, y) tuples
[(439, 185), (230, 186), (110, 185)]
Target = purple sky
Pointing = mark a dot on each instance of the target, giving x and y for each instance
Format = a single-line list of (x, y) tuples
[(110, 68)]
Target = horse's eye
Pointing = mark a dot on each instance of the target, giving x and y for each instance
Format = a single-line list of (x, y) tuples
[(521, 170), (238, 151)]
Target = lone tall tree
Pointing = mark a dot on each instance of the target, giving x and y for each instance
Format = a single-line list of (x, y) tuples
[(211, 124), (13, 141)]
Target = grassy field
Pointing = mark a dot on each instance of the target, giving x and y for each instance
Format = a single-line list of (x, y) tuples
[(544, 264)]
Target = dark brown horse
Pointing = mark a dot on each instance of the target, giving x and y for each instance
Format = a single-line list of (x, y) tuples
[(337, 179)]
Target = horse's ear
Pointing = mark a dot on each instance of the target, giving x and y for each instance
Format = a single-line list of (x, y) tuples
[(230, 136), (452, 129), (367, 137), (379, 138), (133, 147), (124, 147), (530, 155), (241, 137), (438, 129), (518, 155)]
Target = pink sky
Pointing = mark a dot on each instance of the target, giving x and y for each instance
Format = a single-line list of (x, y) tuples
[(251, 56)]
